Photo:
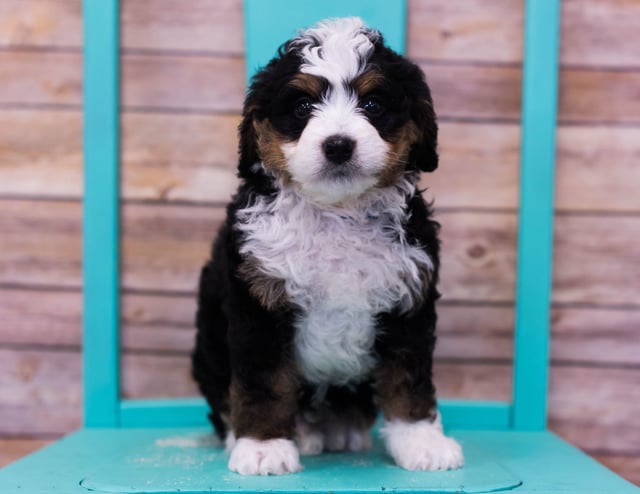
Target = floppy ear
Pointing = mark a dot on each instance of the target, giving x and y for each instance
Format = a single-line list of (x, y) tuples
[(423, 155), (248, 147)]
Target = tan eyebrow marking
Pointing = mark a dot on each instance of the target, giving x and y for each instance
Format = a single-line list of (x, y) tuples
[(310, 84), (367, 82)]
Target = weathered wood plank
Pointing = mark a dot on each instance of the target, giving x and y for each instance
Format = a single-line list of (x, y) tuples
[(178, 157), (148, 81), (40, 153), (40, 243), (195, 159), (597, 169), (216, 83), (165, 252), (584, 335), (577, 395), (593, 33), (463, 30), (207, 25), (599, 33), (627, 466), (47, 318), (165, 323), (599, 96), (482, 246), (594, 408), (164, 247), (596, 260), (478, 166), (191, 157), (33, 77), (41, 23), (14, 449), (194, 83), (40, 392)]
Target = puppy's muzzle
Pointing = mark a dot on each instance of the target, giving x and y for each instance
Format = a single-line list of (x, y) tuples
[(338, 149)]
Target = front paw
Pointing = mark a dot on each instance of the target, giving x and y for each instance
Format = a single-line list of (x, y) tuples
[(270, 457), (421, 445)]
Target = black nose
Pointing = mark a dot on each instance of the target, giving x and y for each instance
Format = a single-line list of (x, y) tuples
[(338, 149)]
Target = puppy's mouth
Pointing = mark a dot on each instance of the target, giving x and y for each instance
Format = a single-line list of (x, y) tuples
[(340, 172)]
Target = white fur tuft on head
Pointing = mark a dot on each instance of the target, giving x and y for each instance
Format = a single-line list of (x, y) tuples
[(336, 49)]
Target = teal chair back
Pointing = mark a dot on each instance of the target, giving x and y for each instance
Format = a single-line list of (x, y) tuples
[(103, 405)]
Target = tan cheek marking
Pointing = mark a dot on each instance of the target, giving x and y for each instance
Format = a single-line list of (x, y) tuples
[(270, 149), (397, 157)]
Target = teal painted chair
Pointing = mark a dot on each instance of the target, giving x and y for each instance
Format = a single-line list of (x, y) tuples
[(164, 446)]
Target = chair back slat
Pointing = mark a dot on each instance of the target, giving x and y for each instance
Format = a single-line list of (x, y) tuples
[(100, 214), (535, 226)]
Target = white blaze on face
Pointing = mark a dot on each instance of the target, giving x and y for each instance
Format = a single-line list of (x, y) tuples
[(337, 51)]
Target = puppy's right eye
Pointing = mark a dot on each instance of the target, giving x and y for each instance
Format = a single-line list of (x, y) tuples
[(303, 108)]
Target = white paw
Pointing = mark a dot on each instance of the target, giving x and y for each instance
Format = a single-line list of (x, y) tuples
[(270, 457), (421, 445)]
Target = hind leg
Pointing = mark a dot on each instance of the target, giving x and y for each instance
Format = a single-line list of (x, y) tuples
[(210, 358), (342, 421)]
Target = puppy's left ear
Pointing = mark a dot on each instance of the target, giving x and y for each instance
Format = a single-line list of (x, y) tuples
[(423, 154), (248, 147)]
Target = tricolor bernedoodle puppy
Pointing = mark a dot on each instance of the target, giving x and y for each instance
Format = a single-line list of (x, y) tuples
[(317, 308)]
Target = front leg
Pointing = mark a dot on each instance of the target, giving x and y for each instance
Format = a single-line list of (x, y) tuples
[(263, 394), (263, 410), (412, 429)]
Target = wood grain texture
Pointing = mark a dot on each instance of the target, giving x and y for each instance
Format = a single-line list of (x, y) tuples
[(593, 33), (599, 33), (40, 392), (164, 247), (616, 402), (41, 243), (589, 407), (597, 169), (40, 318), (40, 153), (215, 84), (41, 23), (463, 30), (594, 262), (15, 448), (206, 26), (627, 465), (195, 160), (164, 323)]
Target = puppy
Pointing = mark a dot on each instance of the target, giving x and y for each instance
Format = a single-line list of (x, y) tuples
[(317, 307)]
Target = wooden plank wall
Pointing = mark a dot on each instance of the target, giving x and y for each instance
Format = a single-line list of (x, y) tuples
[(182, 92)]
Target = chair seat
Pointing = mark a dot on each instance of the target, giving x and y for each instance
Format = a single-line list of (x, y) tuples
[(186, 460)]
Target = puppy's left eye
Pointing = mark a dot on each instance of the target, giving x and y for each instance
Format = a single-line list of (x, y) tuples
[(303, 108), (372, 106)]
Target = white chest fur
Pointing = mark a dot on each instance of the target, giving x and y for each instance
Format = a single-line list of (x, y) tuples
[(341, 267)]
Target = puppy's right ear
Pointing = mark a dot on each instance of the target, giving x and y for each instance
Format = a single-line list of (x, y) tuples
[(248, 140)]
